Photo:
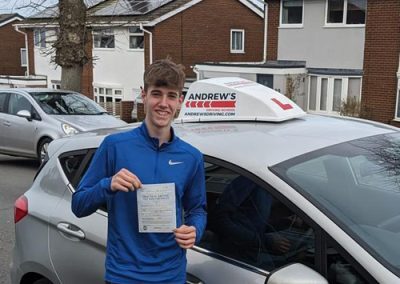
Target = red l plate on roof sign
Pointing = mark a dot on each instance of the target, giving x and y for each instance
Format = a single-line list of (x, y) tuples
[(283, 106)]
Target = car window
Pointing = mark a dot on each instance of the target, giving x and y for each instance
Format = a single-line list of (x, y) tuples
[(3, 97), (18, 102), (247, 223), (66, 104), (343, 269), (75, 164), (356, 184)]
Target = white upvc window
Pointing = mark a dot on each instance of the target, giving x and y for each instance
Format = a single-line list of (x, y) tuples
[(136, 38), (103, 38), (397, 115), (237, 41), (327, 94), (109, 98), (345, 12), (39, 36), (24, 57), (292, 13)]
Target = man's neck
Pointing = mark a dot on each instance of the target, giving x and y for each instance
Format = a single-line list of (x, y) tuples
[(162, 134)]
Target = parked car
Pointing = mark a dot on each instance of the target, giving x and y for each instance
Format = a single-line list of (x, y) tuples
[(31, 118), (325, 187)]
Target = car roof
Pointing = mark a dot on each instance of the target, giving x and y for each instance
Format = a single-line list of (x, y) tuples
[(35, 90), (253, 144)]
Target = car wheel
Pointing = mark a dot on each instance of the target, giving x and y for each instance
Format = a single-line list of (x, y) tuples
[(42, 149), (43, 281)]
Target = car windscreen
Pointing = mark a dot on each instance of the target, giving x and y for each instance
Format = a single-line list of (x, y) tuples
[(357, 184), (66, 103)]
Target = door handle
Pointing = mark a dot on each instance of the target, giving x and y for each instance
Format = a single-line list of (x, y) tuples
[(72, 230), (7, 123)]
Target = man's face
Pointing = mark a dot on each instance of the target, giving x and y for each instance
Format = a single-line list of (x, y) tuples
[(160, 105)]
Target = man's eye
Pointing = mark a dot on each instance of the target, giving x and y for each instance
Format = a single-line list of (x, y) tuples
[(173, 96), (156, 94)]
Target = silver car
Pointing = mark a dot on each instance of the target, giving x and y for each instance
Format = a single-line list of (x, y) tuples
[(31, 118), (292, 198)]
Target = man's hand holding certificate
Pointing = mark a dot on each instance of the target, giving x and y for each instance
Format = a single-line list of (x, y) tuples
[(156, 208)]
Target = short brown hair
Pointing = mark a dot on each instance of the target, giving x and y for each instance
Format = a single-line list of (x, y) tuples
[(164, 73)]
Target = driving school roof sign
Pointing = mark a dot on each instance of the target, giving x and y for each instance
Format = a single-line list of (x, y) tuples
[(236, 99)]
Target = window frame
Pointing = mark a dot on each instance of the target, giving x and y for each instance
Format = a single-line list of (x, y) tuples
[(24, 57), (344, 21), (288, 25), (39, 38), (330, 92), (100, 33), (135, 34), (242, 32)]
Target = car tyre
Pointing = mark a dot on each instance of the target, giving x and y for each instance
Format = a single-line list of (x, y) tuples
[(42, 149)]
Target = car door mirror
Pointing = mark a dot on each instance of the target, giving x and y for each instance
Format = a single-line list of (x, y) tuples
[(295, 273), (25, 113)]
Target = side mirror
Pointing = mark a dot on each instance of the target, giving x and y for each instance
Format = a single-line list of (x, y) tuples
[(25, 113), (295, 273)]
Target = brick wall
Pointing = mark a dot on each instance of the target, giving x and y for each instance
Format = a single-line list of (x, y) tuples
[(272, 33), (381, 60), (196, 35), (10, 50), (126, 109)]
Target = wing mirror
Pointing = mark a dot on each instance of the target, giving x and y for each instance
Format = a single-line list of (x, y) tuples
[(295, 273), (25, 113)]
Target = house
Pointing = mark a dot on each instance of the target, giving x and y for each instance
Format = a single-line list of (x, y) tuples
[(13, 55), (348, 52), (129, 35), (12, 47)]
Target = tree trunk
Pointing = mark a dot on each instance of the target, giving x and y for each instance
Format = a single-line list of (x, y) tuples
[(71, 78), (70, 44)]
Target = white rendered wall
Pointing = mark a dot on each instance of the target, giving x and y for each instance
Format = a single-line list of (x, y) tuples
[(43, 66), (119, 67), (321, 46)]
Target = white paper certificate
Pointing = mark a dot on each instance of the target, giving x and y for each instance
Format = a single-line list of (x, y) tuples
[(156, 208)]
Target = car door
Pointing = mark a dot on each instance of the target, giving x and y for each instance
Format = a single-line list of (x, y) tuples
[(250, 230), (19, 131), (77, 245), (3, 122)]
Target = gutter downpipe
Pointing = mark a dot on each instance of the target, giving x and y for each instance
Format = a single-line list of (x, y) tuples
[(150, 42), (26, 47), (265, 31)]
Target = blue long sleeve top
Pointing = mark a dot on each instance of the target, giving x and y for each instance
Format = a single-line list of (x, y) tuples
[(134, 257)]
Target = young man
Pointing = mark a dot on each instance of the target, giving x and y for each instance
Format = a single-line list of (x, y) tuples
[(149, 154)]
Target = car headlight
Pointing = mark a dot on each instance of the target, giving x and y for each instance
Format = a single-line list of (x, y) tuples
[(68, 129)]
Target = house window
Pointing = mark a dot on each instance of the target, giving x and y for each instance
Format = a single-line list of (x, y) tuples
[(291, 12), (24, 58), (109, 98), (136, 38), (103, 38), (328, 94), (237, 41), (348, 12), (40, 37)]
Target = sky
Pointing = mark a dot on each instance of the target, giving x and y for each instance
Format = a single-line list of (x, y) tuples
[(24, 7)]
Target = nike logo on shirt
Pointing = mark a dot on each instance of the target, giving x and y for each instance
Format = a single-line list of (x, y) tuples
[(171, 163)]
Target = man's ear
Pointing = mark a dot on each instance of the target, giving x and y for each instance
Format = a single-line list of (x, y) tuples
[(142, 93), (181, 98)]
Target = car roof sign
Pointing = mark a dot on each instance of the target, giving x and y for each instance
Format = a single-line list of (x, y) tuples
[(236, 99)]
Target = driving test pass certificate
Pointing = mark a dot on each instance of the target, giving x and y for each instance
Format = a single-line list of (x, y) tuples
[(156, 208)]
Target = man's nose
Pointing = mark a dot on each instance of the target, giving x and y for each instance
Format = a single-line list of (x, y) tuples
[(163, 100)]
